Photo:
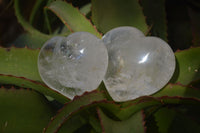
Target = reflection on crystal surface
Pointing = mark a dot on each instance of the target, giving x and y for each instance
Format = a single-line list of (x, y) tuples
[(144, 58), (74, 64), (138, 65)]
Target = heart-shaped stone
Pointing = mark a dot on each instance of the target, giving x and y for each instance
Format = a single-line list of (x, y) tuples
[(73, 65), (138, 65)]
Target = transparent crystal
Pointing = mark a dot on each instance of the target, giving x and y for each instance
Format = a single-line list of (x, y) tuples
[(138, 65), (74, 64)]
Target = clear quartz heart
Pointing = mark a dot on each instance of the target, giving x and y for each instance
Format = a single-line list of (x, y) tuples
[(138, 65), (73, 65)]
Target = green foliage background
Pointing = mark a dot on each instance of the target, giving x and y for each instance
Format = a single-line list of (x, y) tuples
[(28, 105)]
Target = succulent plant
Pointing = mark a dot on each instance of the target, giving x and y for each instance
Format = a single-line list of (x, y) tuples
[(28, 105)]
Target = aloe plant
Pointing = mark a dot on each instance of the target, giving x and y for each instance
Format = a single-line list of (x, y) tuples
[(28, 105)]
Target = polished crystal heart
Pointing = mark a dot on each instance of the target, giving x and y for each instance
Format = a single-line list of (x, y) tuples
[(138, 65), (73, 65)]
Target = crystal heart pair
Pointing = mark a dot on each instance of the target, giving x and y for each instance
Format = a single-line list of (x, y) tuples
[(130, 64)]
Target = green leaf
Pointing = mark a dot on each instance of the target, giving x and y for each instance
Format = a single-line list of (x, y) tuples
[(124, 110), (133, 124), (84, 119), (187, 66), (86, 9), (71, 125), (19, 67), (36, 17), (20, 62), (150, 123), (27, 83), (95, 123), (52, 23), (168, 120), (150, 102), (108, 14), (72, 18), (23, 111), (131, 107), (72, 107), (164, 118), (29, 40), (178, 90), (26, 25), (154, 10), (171, 94)]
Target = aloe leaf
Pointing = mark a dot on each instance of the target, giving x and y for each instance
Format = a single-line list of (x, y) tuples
[(29, 40), (27, 83), (133, 124), (164, 118), (121, 112), (27, 26), (71, 125), (169, 120), (146, 102), (108, 14), (95, 123), (154, 10), (75, 105), (150, 123), (86, 118), (23, 111), (171, 94), (131, 107), (47, 21), (178, 90), (20, 62), (38, 17), (19, 67), (36, 12), (187, 66), (50, 20), (86, 9), (72, 18)]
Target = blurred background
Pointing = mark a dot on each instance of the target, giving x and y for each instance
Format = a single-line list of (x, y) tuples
[(182, 21)]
